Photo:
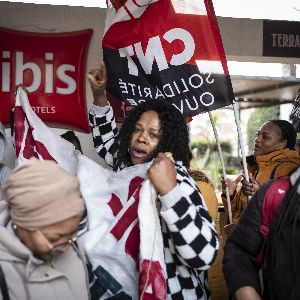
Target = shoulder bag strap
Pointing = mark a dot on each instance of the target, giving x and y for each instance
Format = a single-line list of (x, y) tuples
[(3, 285), (275, 169)]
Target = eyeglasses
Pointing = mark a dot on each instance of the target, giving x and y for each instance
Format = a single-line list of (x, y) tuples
[(61, 246), (53, 248)]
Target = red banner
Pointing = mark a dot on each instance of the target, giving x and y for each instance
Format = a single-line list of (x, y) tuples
[(52, 66), (168, 49)]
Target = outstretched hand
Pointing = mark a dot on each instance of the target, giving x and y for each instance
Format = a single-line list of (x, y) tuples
[(98, 80)]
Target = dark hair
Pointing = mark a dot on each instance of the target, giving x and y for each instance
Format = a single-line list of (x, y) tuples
[(73, 139), (199, 175), (174, 138), (287, 131)]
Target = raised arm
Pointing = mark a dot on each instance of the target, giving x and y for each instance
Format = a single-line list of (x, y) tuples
[(98, 80), (101, 117)]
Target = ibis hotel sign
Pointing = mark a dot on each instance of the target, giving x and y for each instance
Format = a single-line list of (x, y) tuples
[(52, 66), (281, 38)]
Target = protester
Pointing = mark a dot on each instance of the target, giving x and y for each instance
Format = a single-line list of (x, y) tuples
[(38, 256), (246, 243), (4, 170), (274, 156), (156, 130), (207, 190), (71, 137), (216, 279)]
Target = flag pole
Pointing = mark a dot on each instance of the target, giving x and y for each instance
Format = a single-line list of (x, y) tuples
[(223, 165), (238, 126)]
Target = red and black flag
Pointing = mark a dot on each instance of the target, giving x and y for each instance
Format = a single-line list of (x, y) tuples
[(168, 49)]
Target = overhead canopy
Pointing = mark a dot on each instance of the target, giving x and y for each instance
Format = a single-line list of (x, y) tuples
[(247, 44), (264, 91)]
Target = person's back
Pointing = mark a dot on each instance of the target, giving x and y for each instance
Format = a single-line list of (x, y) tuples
[(267, 234), (207, 190), (282, 255), (38, 256)]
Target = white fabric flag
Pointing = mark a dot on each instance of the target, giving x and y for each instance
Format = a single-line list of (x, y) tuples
[(122, 241)]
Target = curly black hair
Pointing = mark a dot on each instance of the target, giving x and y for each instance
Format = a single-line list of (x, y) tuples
[(174, 138)]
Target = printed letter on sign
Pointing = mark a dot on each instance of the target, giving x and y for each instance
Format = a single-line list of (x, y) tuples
[(170, 50), (52, 67)]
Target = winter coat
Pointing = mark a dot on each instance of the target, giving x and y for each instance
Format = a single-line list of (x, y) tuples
[(246, 248), (243, 244), (29, 278), (280, 162)]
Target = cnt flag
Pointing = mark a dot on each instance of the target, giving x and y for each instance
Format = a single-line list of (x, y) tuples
[(167, 49)]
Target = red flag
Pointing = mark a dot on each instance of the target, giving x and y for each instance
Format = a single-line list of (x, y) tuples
[(168, 49)]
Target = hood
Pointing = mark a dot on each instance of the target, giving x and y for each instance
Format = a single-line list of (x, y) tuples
[(4, 212), (2, 141), (279, 156), (11, 248)]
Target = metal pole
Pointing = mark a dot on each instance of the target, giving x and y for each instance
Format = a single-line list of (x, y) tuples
[(238, 126), (223, 165)]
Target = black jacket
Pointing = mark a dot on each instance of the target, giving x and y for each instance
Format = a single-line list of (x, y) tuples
[(243, 244)]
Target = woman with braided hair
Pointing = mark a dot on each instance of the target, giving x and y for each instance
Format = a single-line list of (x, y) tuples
[(274, 157), (156, 131)]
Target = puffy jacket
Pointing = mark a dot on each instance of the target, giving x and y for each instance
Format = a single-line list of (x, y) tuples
[(29, 278), (280, 162)]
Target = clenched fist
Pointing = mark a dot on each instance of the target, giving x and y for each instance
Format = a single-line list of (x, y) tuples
[(98, 80), (162, 174)]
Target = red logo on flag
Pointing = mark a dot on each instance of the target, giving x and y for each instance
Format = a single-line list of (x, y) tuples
[(129, 217), (52, 68)]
